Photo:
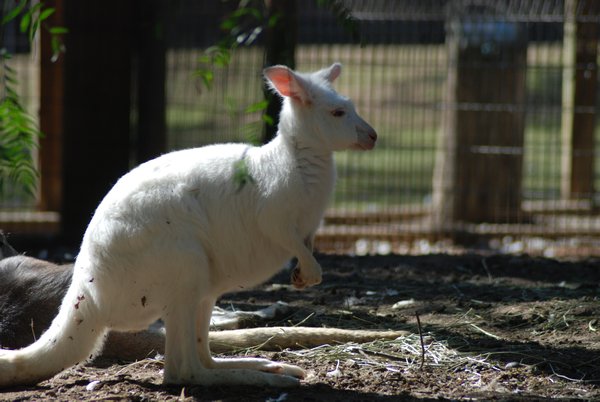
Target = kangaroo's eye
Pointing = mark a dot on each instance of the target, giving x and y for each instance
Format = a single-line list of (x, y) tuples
[(338, 113)]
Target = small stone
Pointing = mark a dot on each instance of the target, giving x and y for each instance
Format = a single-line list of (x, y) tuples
[(92, 386), (403, 304)]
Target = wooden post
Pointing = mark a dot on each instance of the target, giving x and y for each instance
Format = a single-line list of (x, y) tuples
[(51, 115), (151, 140), (479, 163), (280, 48), (580, 75), (97, 94)]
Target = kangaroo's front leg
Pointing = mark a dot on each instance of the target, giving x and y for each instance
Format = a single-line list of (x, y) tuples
[(274, 223), (307, 272)]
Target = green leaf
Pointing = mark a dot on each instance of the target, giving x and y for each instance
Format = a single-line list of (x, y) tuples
[(25, 21), (204, 59), (209, 51), (222, 58), (268, 119), (273, 20), (33, 29), (56, 48), (252, 132), (227, 24), (12, 14), (245, 11), (257, 107), (46, 13), (207, 77), (58, 30), (241, 174), (9, 69)]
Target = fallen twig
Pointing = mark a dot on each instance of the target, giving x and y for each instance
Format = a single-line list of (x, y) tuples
[(487, 270), (422, 343), (486, 332)]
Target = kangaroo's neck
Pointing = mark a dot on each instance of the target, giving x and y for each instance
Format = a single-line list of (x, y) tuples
[(315, 166)]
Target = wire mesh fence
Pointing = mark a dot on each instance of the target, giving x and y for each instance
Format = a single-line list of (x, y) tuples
[(472, 101)]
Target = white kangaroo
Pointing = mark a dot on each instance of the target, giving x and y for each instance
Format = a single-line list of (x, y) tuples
[(177, 232)]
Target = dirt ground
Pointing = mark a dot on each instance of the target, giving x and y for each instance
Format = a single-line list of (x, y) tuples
[(492, 328)]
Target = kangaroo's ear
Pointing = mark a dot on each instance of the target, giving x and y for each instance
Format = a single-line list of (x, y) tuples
[(332, 72), (287, 83)]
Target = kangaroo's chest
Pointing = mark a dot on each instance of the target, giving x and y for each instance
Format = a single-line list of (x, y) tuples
[(316, 199)]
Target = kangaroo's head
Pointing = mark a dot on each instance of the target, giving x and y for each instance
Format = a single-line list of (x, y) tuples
[(315, 114)]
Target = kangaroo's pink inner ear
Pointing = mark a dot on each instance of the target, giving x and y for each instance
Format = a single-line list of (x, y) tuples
[(280, 78), (334, 71), (286, 83)]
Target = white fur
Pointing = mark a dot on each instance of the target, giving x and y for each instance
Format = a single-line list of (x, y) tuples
[(177, 232)]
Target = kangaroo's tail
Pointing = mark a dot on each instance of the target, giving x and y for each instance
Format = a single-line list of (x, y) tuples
[(75, 335)]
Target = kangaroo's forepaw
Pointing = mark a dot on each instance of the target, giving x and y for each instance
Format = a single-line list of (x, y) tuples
[(300, 279)]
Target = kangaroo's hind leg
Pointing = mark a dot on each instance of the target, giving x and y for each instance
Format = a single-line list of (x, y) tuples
[(183, 364), (187, 318), (283, 370)]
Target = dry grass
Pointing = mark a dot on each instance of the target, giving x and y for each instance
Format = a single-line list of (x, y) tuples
[(401, 354)]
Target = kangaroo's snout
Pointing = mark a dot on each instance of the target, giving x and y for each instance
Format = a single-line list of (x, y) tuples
[(367, 137), (373, 135)]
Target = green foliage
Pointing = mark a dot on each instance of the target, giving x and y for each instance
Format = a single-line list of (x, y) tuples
[(253, 129), (31, 17), (18, 129), (245, 24), (242, 27), (18, 134), (14, 13), (241, 174), (344, 17)]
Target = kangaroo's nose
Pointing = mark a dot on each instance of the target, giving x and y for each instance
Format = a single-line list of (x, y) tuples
[(373, 135)]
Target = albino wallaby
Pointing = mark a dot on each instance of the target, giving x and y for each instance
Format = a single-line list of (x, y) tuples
[(177, 232)]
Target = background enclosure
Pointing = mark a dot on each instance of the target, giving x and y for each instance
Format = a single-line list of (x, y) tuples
[(485, 112)]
